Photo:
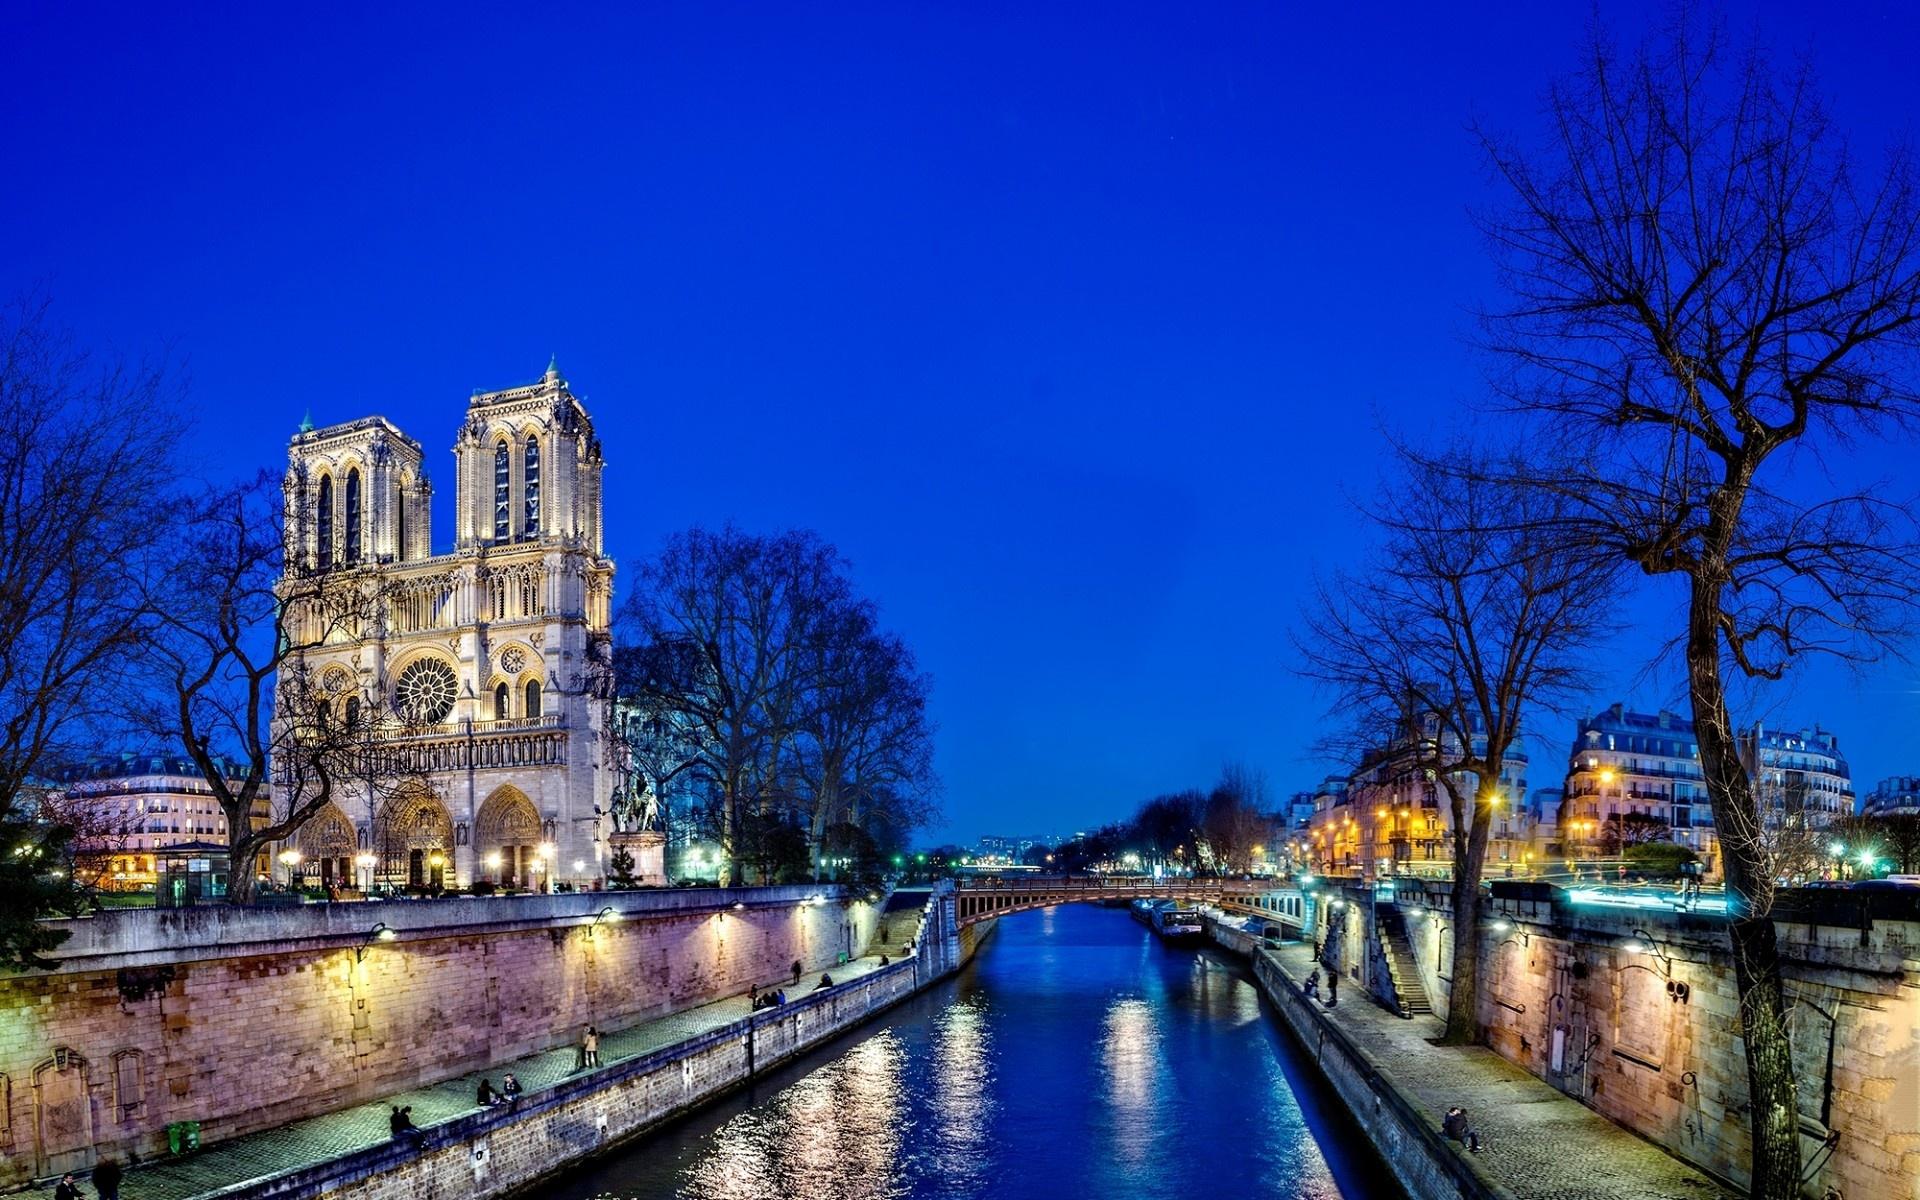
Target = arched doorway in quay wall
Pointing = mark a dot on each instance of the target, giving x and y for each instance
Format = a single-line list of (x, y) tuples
[(507, 837), (414, 839)]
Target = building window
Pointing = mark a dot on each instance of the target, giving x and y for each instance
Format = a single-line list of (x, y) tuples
[(532, 485), (500, 702), (353, 712), (533, 697), (353, 516), (323, 523), (502, 516)]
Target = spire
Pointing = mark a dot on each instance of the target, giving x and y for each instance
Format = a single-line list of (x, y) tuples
[(553, 367), (306, 422)]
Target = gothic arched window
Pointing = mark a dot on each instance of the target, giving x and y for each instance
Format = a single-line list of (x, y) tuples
[(500, 702), (353, 712), (532, 487), (353, 516), (502, 516), (323, 523), (533, 697)]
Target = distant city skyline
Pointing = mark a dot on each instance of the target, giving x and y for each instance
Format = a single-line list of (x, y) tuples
[(1073, 328)]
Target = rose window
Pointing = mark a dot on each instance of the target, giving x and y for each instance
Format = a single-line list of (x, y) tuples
[(512, 659), (426, 691)]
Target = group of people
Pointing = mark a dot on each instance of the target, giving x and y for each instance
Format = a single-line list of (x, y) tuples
[(1312, 986), (508, 1092), (758, 999), (106, 1183)]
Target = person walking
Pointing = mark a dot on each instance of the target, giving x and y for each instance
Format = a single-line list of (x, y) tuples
[(106, 1179), (590, 1046), (796, 972), (1333, 988)]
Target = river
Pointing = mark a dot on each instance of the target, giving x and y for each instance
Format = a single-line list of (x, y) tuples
[(1075, 1056)]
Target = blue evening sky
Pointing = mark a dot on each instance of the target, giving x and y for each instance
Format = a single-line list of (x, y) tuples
[(1071, 324)]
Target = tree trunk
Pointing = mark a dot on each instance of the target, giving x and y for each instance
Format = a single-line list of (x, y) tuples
[(241, 851), (1771, 1091), (1463, 993)]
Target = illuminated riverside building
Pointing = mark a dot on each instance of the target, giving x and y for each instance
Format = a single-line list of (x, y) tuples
[(1899, 796), (128, 808), (1626, 764), (497, 653), (1393, 819)]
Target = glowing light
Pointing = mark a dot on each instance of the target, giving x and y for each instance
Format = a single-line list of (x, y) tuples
[(547, 850), (579, 865), (493, 861), (1502, 926), (1839, 849)]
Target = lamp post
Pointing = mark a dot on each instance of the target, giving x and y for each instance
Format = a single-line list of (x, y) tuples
[(437, 864), (366, 862), (543, 862), (290, 859)]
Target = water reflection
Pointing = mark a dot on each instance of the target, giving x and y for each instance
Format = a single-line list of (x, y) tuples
[(835, 1133), (1130, 1059), (1077, 1056), (963, 1104)]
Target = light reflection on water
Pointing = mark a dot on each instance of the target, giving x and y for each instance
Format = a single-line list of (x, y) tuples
[(1076, 1056)]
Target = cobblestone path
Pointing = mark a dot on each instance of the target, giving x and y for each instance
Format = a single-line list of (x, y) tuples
[(1540, 1144)]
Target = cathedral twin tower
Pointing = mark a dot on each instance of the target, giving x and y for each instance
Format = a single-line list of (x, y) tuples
[(494, 655)]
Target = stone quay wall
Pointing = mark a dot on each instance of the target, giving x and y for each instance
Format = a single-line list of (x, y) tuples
[(504, 1151), (1635, 1013), (246, 1018), (1409, 1144)]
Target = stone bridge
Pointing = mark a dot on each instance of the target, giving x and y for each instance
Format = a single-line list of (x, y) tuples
[(978, 899)]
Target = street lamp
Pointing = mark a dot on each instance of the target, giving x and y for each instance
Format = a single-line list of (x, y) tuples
[(290, 859), (543, 861), (366, 862), (379, 933)]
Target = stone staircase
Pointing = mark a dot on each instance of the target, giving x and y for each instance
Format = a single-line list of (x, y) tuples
[(899, 922), (1398, 948)]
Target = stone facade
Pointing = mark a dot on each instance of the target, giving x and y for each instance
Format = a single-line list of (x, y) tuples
[(1636, 1015), (246, 1019), (496, 657)]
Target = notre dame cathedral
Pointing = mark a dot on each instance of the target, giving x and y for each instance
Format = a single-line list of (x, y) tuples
[(496, 652)]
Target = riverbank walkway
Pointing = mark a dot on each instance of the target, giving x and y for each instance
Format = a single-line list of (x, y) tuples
[(320, 1139), (1537, 1141)]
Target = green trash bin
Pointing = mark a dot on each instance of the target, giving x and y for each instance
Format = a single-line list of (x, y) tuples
[(183, 1137)]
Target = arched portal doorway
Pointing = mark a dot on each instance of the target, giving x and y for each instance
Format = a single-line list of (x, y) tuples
[(414, 841), (326, 846), (507, 837)]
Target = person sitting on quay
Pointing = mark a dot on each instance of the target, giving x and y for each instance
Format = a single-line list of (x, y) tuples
[(486, 1096), (1455, 1126), (1312, 986), (400, 1122), (826, 981), (510, 1088)]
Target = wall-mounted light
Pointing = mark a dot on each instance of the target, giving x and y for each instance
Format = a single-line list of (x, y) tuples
[(379, 933), (1643, 942), (609, 915)]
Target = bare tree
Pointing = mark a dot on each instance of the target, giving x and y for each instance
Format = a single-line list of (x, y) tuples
[(84, 468), (869, 741), (229, 679), (1472, 611), (749, 607), (1236, 818), (1705, 292)]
